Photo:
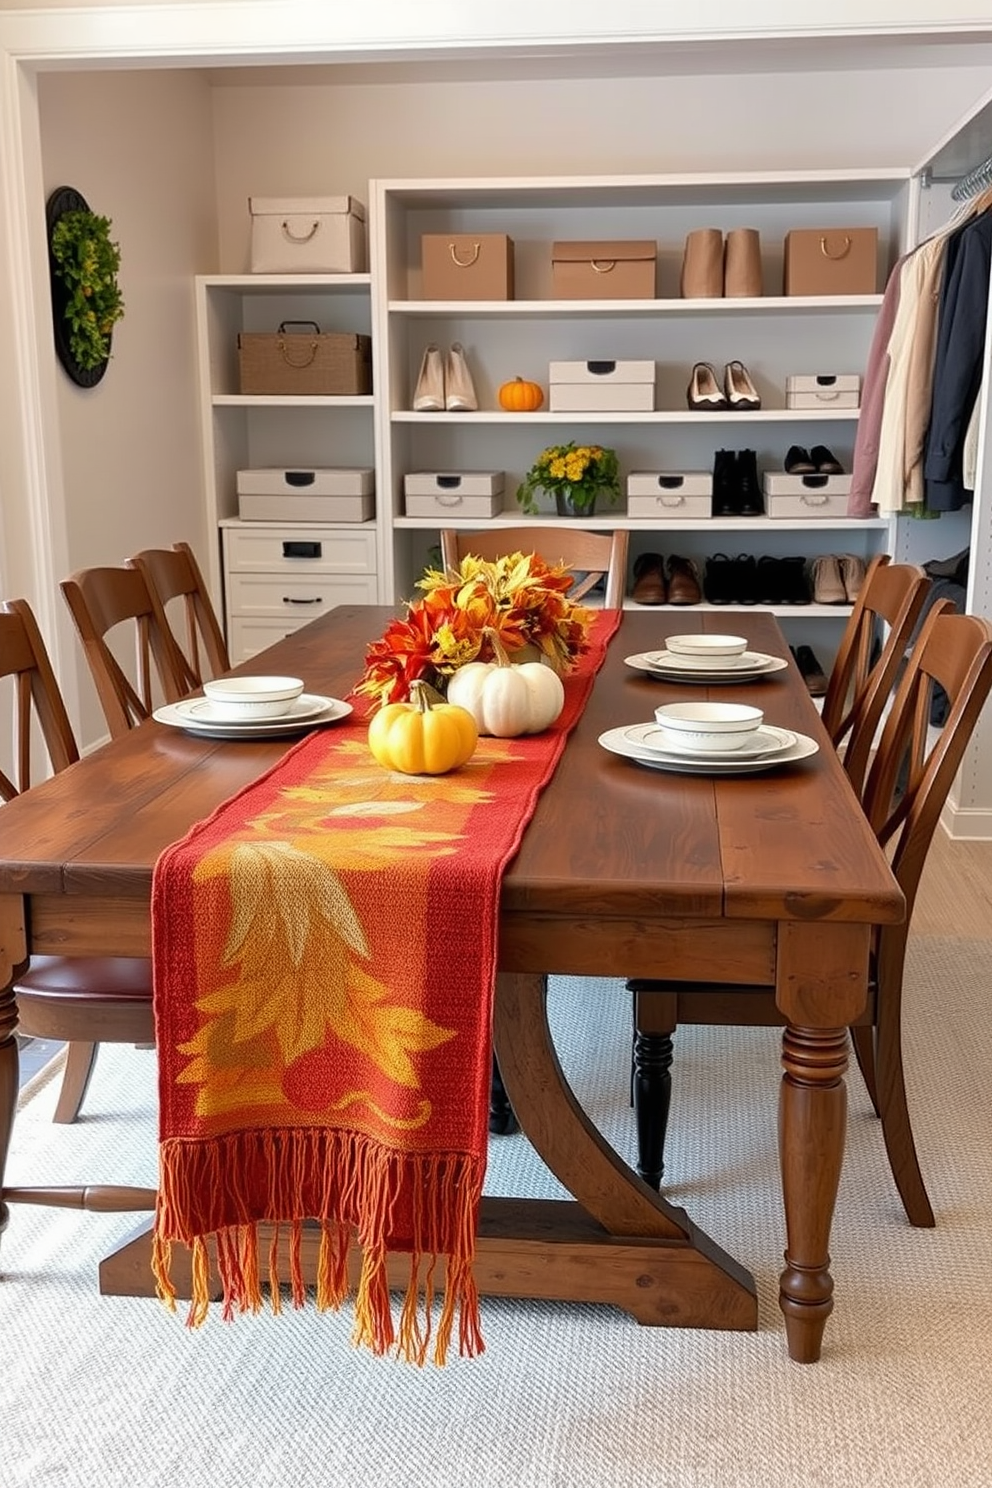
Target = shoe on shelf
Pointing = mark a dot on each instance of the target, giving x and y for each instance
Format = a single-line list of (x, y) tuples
[(824, 460), (795, 586), (798, 462), (725, 499), (459, 389), (742, 264), (649, 580), (701, 277), (718, 580), (739, 390), (750, 501), (703, 391), (683, 582), (812, 672), (828, 585), (745, 579), (428, 395), (852, 573), (770, 581)]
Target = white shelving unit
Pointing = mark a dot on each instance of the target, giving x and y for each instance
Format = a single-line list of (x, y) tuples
[(273, 577), (774, 336)]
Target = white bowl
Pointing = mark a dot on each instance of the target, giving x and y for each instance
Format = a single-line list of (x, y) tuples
[(252, 697), (707, 650), (708, 726)]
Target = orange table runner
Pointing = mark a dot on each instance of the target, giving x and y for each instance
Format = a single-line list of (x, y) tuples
[(324, 960)]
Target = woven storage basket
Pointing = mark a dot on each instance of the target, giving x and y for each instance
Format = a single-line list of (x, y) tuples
[(305, 360)]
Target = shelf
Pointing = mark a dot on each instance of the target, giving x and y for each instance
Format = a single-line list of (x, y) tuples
[(785, 612), (667, 416), (273, 400), (748, 525), (618, 309), (304, 284)]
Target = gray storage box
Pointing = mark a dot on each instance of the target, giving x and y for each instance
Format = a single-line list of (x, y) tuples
[(671, 495), (823, 390), (297, 495), (307, 235), (453, 494), (805, 495)]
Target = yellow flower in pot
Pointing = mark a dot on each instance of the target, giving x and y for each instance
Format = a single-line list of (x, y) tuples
[(576, 475)]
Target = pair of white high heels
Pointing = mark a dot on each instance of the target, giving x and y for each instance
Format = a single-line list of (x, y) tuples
[(444, 383)]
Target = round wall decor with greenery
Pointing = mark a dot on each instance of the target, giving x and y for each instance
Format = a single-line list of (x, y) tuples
[(86, 299)]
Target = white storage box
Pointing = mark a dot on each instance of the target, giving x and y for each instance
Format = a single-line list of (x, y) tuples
[(601, 386), (823, 390), (805, 495), (453, 494), (332, 495), (674, 495), (307, 235)]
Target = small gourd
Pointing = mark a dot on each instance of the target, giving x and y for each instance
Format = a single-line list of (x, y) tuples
[(422, 738), (507, 699), (521, 396)]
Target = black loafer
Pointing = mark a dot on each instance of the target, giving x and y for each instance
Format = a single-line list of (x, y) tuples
[(798, 462), (824, 461)]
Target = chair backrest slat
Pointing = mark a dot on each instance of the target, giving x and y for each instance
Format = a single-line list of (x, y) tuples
[(891, 599), (593, 554), (25, 659), (173, 574), (102, 599)]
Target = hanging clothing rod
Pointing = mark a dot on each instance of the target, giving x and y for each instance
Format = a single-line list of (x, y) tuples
[(975, 181)]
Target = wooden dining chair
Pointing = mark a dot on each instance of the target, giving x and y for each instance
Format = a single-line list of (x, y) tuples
[(77, 1000), (112, 608), (176, 583), (871, 650), (912, 771), (592, 555)]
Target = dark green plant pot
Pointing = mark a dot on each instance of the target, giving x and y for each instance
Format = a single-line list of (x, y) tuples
[(566, 505)]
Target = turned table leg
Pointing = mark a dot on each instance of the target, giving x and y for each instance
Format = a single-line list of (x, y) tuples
[(812, 1122)]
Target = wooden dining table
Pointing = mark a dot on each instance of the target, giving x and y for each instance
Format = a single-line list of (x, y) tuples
[(772, 878)]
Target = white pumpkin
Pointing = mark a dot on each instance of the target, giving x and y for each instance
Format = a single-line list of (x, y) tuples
[(508, 699)]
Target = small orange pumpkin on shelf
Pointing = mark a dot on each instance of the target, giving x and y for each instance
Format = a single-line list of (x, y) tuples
[(521, 396)]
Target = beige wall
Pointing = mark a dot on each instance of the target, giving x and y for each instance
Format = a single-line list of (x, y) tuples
[(137, 145)]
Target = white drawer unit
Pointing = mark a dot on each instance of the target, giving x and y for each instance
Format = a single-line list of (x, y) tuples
[(278, 578)]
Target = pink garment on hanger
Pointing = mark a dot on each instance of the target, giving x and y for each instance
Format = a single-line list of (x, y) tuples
[(873, 400)]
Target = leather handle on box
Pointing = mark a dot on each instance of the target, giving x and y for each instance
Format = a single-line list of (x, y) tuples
[(834, 256), (288, 233), (465, 263)]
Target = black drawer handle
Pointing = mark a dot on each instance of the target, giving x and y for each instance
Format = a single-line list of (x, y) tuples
[(301, 549), (300, 477), (671, 482), (449, 482), (288, 599), (601, 369)]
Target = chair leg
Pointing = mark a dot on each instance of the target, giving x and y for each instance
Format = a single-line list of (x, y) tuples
[(80, 1059), (652, 1086), (893, 1110), (655, 1019), (502, 1121), (863, 1040)]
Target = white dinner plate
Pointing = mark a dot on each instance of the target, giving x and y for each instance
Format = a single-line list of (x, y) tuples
[(759, 665), (617, 741), (197, 716), (766, 740)]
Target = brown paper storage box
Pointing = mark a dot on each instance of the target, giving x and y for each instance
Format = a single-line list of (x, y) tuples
[(305, 362), (831, 261), (604, 271), (467, 266)]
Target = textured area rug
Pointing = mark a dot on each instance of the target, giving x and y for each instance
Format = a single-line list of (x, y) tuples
[(109, 1392)]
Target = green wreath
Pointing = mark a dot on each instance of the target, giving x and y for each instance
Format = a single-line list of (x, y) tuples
[(86, 260)]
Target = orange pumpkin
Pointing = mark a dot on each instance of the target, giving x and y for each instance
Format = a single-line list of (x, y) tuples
[(520, 396)]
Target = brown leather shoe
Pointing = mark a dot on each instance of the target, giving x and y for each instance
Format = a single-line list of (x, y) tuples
[(649, 580), (683, 582)]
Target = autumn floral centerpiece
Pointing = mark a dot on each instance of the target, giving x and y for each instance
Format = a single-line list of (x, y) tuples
[(520, 599), (575, 474)]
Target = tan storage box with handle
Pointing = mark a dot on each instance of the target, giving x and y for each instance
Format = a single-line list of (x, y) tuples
[(301, 360), (604, 271), (832, 261), (467, 266), (307, 235)]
